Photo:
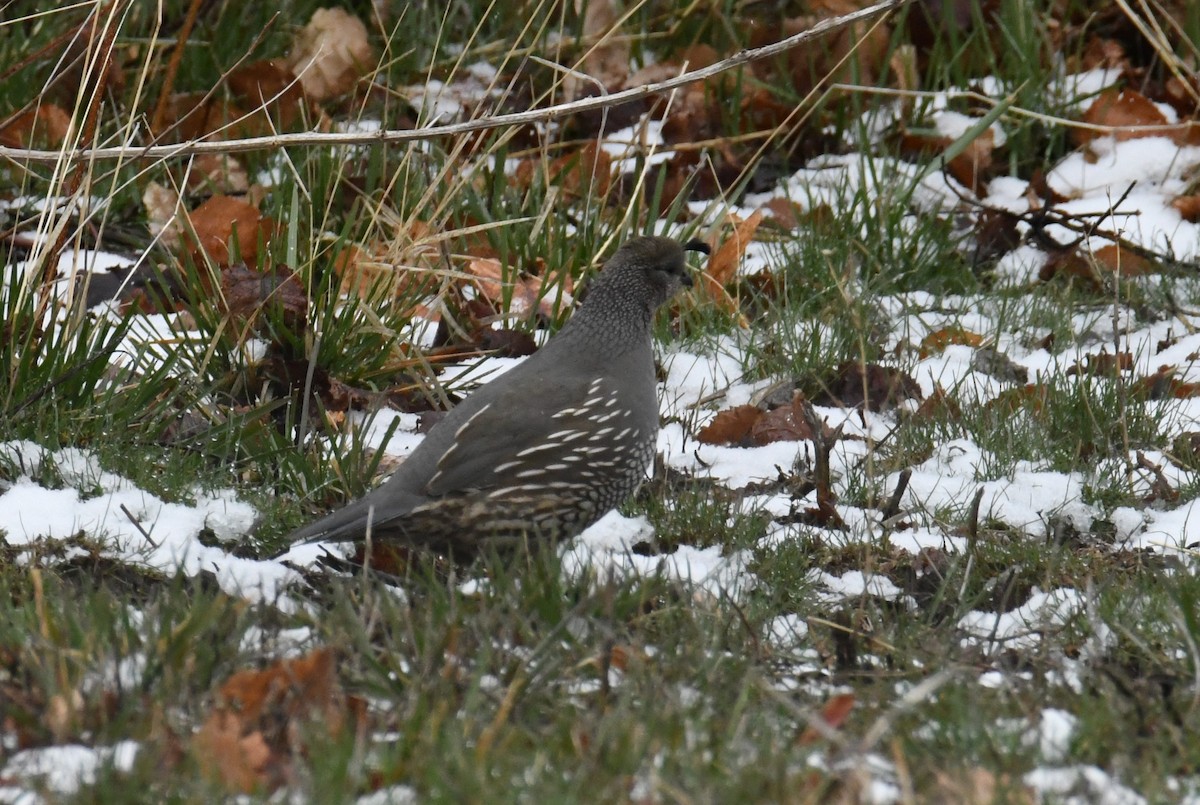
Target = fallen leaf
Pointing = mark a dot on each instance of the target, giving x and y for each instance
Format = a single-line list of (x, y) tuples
[(331, 53), (1188, 207), (259, 720), (786, 423), (607, 55), (936, 342), (833, 715), (977, 786), (731, 426), (855, 54), (525, 294), (269, 87), (971, 167), (231, 756), (248, 294), (588, 171), (854, 385), (215, 223), (723, 263), (195, 116), (218, 174), (162, 214), (1093, 268), (47, 126), (1104, 363), (1129, 112)]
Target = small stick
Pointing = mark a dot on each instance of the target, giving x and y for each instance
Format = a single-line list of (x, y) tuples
[(145, 534)]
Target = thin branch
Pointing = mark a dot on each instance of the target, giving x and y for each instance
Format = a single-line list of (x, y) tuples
[(386, 137)]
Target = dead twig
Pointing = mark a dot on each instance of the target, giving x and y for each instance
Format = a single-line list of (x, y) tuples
[(386, 137)]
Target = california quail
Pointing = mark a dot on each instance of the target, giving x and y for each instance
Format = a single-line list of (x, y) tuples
[(550, 446)]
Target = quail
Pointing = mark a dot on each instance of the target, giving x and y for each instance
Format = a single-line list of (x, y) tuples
[(549, 447)]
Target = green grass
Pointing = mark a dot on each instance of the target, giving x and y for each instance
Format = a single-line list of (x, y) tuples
[(531, 685)]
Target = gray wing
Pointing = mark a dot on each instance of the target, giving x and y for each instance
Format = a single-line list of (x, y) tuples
[(514, 433)]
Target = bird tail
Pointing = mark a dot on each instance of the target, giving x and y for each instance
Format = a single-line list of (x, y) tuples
[(350, 524)]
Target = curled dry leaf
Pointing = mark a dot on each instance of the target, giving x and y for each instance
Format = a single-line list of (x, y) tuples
[(331, 53), (1130, 113), (526, 293), (1095, 267), (978, 786), (731, 426), (270, 88), (257, 725), (46, 125), (585, 172), (787, 423), (218, 173), (936, 342), (196, 115), (971, 167), (248, 294), (723, 264), (606, 58), (1188, 207), (162, 206), (878, 388), (217, 221), (724, 261), (833, 715), (856, 54), (1104, 363)]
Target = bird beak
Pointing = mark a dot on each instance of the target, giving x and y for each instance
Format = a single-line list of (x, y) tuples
[(687, 280)]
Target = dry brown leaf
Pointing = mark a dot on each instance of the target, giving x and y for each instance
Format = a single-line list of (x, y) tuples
[(607, 56), (722, 266), (1183, 94), (1092, 268), (488, 276), (786, 423), (1105, 363), (1107, 54), (162, 205), (271, 88), (1117, 258), (257, 724), (855, 54), (1131, 113), (526, 294), (216, 221), (877, 387), (977, 786), (784, 212), (1032, 396), (47, 126), (192, 116), (331, 53), (970, 168), (1188, 207), (833, 714), (248, 294), (939, 404), (587, 171), (937, 341), (218, 173), (731, 426), (228, 756)]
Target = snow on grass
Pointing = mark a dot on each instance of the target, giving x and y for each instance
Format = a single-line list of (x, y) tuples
[(65, 769), (1027, 495)]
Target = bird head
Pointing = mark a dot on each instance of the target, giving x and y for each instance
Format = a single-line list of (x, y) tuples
[(660, 263)]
